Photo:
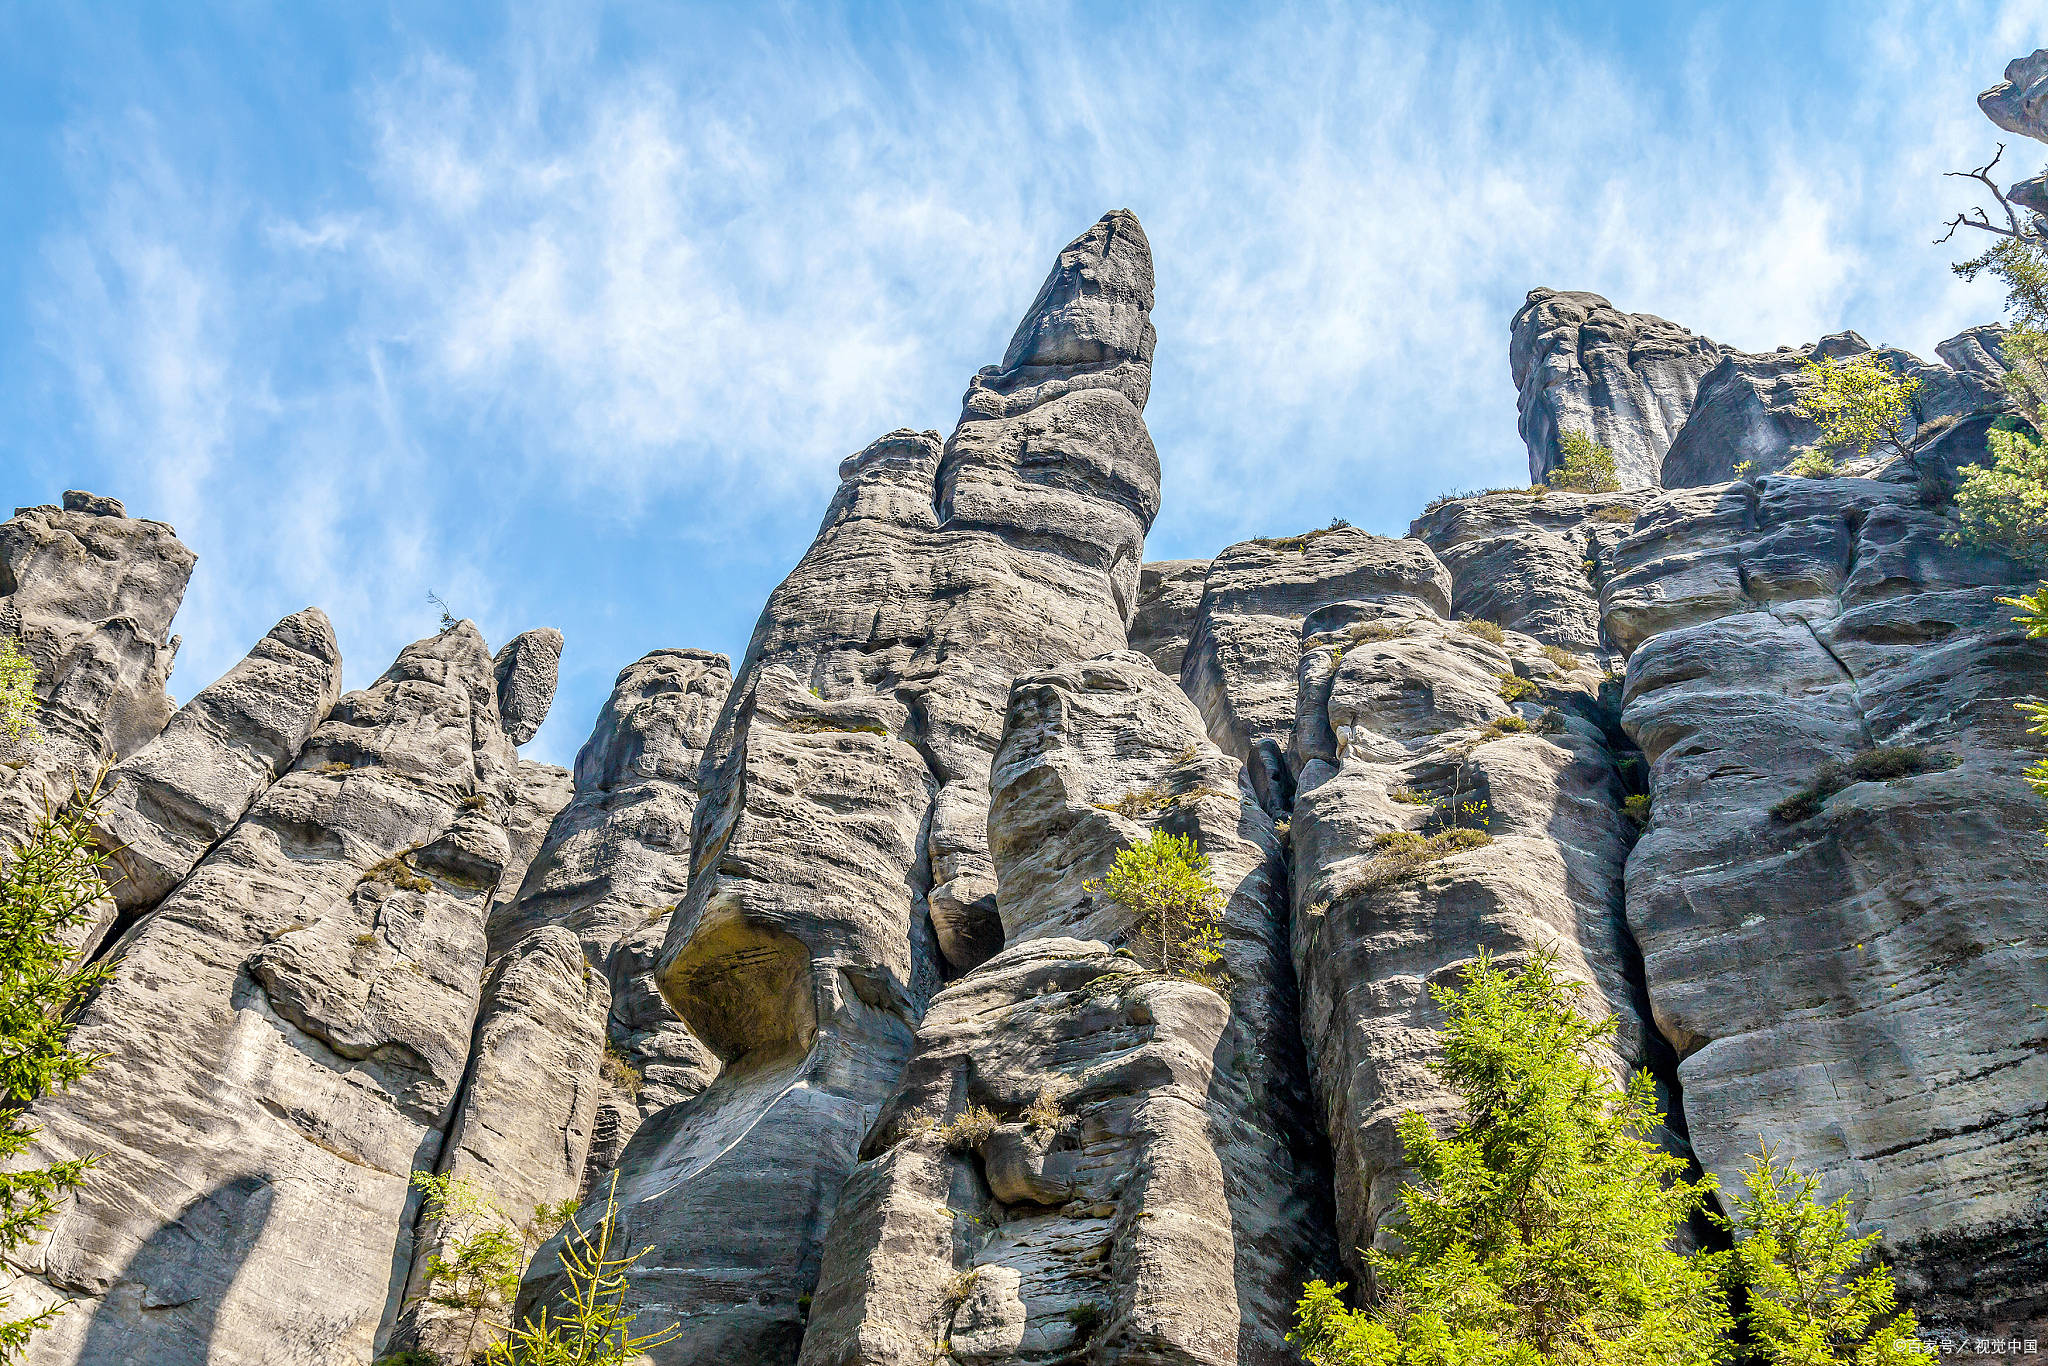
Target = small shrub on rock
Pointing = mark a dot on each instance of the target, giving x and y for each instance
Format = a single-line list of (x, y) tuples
[(1588, 466), (968, 1130), (1400, 854), (18, 701), (1484, 629), (1813, 465), (1563, 658), (1881, 765), (1163, 881), (1636, 806), (1501, 726), (1513, 687), (1617, 513)]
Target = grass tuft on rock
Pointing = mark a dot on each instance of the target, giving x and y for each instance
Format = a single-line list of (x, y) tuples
[(1886, 763)]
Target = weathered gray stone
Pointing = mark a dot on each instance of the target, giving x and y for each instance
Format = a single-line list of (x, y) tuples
[(1627, 380), (1853, 987), (1980, 350), (1524, 561), (1169, 591), (89, 596), (2019, 103), (1240, 664), (175, 797), (526, 669), (1395, 735), (1174, 1210), (840, 842), (284, 1037)]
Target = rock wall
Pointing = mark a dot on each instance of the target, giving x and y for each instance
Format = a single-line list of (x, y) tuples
[(839, 845), (812, 956), (1148, 1187)]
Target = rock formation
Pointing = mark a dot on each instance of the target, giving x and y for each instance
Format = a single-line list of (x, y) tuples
[(2019, 103), (1625, 379), (814, 958), (175, 797), (90, 593), (284, 1037), (840, 847)]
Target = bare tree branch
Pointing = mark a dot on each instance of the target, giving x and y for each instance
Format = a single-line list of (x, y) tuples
[(2015, 228)]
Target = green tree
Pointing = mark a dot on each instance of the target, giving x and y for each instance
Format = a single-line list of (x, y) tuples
[(483, 1250), (1804, 1305), (48, 886), (1588, 466), (1858, 404), (17, 695), (591, 1325), (2020, 263), (1163, 881), (1539, 1232), (2005, 507), (2033, 619)]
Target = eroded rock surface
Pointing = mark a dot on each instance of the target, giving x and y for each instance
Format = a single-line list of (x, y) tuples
[(1240, 665), (1169, 592), (89, 597), (1526, 561), (839, 845), (2019, 103), (1627, 380), (1151, 1189), (1853, 985), (284, 1038), (1404, 733), (175, 797)]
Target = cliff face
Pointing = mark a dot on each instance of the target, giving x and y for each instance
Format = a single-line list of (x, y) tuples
[(811, 955)]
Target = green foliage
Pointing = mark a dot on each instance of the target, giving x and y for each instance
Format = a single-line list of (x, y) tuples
[(1858, 404), (1588, 466), (410, 1356), (18, 702), (1563, 658), (618, 1070), (1636, 806), (1163, 881), (1794, 1258), (1880, 765), (1620, 512), (1812, 465), (2021, 265), (591, 1325), (2005, 507), (2033, 619), (1513, 687), (967, 1130), (47, 887), (1538, 1232), (1486, 630), (482, 1250)]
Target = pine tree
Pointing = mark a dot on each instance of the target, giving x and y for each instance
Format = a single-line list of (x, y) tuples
[(1538, 1233), (591, 1325), (2033, 619), (1795, 1259), (476, 1269), (47, 886), (1163, 881), (1588, 466)]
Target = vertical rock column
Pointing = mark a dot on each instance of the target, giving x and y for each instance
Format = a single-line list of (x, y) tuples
[(284, 1036), (1403, 733), (543, 1114), (1853, 979), (89, 593), (1150, 1188), (839, 845)]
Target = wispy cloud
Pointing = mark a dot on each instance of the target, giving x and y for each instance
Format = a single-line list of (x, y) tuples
[(581, 326)]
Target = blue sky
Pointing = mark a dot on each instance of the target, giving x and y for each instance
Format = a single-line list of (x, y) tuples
[(569, 315)]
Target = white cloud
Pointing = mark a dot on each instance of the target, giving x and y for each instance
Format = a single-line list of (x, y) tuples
[(564, 287)]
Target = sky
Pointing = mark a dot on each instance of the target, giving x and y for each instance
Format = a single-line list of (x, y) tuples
[(568, 313)]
